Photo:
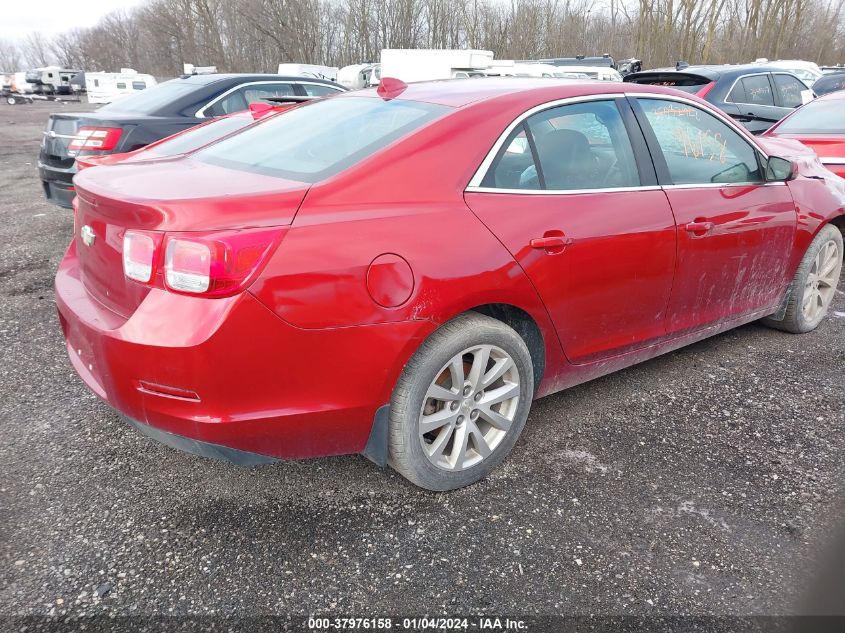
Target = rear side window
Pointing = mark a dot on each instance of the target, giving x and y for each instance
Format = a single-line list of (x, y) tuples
[(139, 85), (757, 90), (578, 146), (698, 147), (515, 159), (241, 98), (319, 90), (789, 89), (817, 117), (320, 139)]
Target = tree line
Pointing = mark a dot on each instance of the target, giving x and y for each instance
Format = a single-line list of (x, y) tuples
[(158, 36)]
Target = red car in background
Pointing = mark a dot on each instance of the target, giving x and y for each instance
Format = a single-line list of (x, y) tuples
[(400, 272), (819, 125)]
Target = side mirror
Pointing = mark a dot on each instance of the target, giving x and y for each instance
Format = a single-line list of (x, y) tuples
[(779, 169)]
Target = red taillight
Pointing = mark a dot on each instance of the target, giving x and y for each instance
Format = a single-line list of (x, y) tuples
[(214, 264), (702, 92), (96, 138)]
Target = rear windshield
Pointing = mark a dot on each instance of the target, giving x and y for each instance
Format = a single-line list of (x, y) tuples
[(817, 117), (319, 139), (152, 99), (687, 83), (201, 135)]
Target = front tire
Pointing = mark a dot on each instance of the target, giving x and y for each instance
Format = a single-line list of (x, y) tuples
[(461, 403), (814, 286)]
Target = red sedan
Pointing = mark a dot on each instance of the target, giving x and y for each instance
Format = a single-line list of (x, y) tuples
[(820, 125), (400, 272)]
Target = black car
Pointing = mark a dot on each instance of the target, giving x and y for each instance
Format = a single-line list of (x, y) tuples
[(139, 119), (830, 82), (757, 96)]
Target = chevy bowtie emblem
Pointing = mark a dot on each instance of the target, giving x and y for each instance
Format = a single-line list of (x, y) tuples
[(88, 235)]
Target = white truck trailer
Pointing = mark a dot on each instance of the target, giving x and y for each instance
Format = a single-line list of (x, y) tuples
[(425, 64)]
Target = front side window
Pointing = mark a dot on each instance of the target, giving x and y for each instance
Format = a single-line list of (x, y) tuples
[(567, 148), (121, 86), (320, 139), (139, 85), (790, 90), (698, 147)]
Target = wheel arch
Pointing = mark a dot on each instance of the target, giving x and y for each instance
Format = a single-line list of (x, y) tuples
[(527, 328), (837, 221)]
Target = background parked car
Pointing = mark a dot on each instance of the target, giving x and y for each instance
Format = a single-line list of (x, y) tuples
[(830, 83), (808, 72), (140, 119), (820, 125), (756, 96)]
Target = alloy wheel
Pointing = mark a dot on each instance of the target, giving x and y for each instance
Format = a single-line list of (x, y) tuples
[(469, 407), (821, 281)]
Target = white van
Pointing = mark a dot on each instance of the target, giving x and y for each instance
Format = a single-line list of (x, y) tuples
[(309, 70)]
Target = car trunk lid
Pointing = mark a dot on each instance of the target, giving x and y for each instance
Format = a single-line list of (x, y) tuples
[(170, 195)]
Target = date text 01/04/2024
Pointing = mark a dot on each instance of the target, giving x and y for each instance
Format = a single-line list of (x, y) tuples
[(480, 623)]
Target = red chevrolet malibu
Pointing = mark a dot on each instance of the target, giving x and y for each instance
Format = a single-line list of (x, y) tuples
[(820, 125), (400, 272)]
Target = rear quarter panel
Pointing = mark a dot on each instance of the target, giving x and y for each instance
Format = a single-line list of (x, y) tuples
[(407, 201)]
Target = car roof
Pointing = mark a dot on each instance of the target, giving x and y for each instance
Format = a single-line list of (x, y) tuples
[(206, 79), (461, 92)]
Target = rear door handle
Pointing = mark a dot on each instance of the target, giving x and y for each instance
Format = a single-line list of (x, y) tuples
[(551, 243), (699, 227)]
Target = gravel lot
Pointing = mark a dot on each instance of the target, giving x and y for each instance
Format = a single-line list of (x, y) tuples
[(702, 482)]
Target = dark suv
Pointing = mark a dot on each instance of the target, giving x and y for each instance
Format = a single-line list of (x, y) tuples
[(139, 119), (756, 96)]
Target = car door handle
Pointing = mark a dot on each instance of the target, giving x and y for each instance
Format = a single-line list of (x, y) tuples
[(699, 227), (552, 244)]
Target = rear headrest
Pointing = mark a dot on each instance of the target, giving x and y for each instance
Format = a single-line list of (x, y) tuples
[(565, 144)]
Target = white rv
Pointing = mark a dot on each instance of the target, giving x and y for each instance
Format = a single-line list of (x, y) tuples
[(420, 64), (359, 76), (309, 70), (51, 80), (107, 87)]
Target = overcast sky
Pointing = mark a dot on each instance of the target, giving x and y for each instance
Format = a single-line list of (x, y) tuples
[(19, 17)]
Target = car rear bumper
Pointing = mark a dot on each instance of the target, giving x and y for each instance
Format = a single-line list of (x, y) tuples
[(227, 377), (58, 184), (196, 447)]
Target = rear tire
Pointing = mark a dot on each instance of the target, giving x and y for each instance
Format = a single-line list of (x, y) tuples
[(461, 403), (814, 286)]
